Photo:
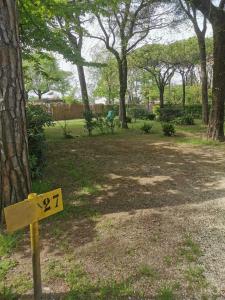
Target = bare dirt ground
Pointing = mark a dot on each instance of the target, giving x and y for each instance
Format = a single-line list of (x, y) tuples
[(143, 211)]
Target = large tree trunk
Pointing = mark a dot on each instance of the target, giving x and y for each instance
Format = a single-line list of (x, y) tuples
[(15, 179), (216, 124), (122, 65), (204, 80), (83, 87), (161, 96), (183, 90)]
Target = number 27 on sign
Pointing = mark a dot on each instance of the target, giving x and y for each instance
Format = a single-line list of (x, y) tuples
[(49, 203)]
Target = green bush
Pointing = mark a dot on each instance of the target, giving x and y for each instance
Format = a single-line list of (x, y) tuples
[(151, 116), (37, 119), (156, 110), (100, 124), (90, 123), (186, 119), (128, 119), (146, 128), (168, 129), (169, 113), (139, 113), (195, 110)]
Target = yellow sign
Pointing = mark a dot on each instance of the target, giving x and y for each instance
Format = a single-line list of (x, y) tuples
[(48, 204), (30, 211), (37, 208), (20, 215)]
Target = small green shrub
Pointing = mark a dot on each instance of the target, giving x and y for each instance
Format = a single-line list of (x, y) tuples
[(146, 128), (90, 124), (37, 119), (186, 119), (66, 130), (169, 113), (128, 119), (100, 124), (156, 110), (168, 129), (139, 113), (150, 116)]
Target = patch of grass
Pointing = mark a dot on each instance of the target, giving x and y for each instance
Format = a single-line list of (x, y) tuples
[(195, 276), (190, 250), (168, 260), (21, 284), (41, 186), (77, 211), (5, 266), (8, 242), (54, 270), (83, 288), (166, 292), (6, 293), (148, 271)]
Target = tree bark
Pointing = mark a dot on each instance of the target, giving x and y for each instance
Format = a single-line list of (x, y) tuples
[(204, 80), (216, 124), (122, 65), (183, 90), (15, 183), (83, 86), (161, 96)]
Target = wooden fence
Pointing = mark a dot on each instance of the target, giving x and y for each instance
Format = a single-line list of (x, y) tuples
[(63, 111)]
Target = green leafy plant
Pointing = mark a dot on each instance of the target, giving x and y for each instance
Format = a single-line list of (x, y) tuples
[(168, 129), (66, 130), (186, 119), (90, 124), (129, 119), (37, 119), (146, 128)]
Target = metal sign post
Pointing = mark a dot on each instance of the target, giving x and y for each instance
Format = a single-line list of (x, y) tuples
[(29, 212)]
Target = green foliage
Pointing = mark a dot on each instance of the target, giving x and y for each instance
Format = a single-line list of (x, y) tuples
[(195, 276), (186, 119), (146, 128), (148, 271), (195, 110), (42, 74), (90, 124), (8, 242), (190, 250), (128, 119), (37, 119), (66, 130), (140, 113), (169, 113), (5, 266), (166, 293), (156, 110), (69, 99), (108, 83), (105, 125), (168, 129)]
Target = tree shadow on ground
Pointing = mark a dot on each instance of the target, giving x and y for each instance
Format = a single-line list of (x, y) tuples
[(133, 175)]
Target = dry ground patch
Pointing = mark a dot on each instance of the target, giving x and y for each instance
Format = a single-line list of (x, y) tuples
[(144, 219)]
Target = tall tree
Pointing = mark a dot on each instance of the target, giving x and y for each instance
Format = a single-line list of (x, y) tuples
[(156, 60), (57, 25), (193, 14), (124, 24), (184, 55), (42, 74), (14, 169), (108, 85), (215, 13)]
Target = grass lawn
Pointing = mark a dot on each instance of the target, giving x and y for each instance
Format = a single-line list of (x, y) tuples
[(144, 218)]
